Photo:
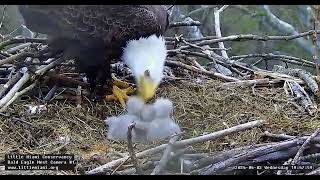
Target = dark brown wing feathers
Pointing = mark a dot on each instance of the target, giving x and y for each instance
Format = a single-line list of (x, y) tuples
[(116, 24)]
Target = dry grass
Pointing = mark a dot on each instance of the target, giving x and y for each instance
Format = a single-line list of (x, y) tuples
[(199, 109)]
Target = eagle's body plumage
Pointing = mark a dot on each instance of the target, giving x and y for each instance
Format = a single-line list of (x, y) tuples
[(95, 34)]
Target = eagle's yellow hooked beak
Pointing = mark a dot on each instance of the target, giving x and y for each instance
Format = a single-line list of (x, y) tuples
[(146, 88)]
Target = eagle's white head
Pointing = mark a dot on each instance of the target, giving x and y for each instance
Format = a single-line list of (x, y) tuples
[(146, 58)]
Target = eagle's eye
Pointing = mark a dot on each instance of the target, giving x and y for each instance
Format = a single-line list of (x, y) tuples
[(147, 73)]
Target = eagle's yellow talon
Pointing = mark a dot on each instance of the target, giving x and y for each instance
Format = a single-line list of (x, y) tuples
[(118, 82), (120, 95)]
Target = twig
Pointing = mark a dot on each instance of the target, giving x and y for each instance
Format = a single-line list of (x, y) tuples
[(130, 148), (78, 95), (115, 170), (181, 144), (246, 37), (270, 55), (247, 83), (17, 95), (314, 172), (303, 97), (304, 146), (9, 84), (309, 157), (187, 23), (131, 171), (212, 57), (166, 156), (17, 48), (25, 78), (315, 49), (192, 39), (15, 57), (278, 136), (302, 74), (218, 29), (250, 155), (286, 137), (22, 40), (45, 68), (51, 93), (220, 156), (194, 69)]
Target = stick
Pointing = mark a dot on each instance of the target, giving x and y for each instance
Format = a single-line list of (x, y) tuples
[(247, 83), (194, 69), (213, 57), (270, 55), (9, 84), (15, 57), (304, 146), (166, 157), (45, 68), (250, 155), (17, 48), (17, 95), (50, 93), (78, 95), (22, 40), (25, 78), (286, 137), (314, 172), (315, 49), (181, 144), (188, 23), (217, 28), (246, 37), (221, 156), (278, 136), (302, 74), (130, 148)]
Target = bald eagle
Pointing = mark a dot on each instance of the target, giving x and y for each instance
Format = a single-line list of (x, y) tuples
[(94, 35)]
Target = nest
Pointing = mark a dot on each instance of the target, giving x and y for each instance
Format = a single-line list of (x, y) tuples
[(200, 108), (225, 119)]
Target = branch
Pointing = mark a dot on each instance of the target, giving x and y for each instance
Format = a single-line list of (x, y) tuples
[(9, 84), (305, 76), (25, 78), (15, 57), (181, 144), (131, 150), (314, 172), (270, 55), (166, 156), (315, 49), (220, 156), (187, 23), (247, 83), (285, 137), (218, 29), (212, 57), (304, 146), (250, 155), (246, 37), (194, 69), (22, 40), (17, 48), (17, 95)]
